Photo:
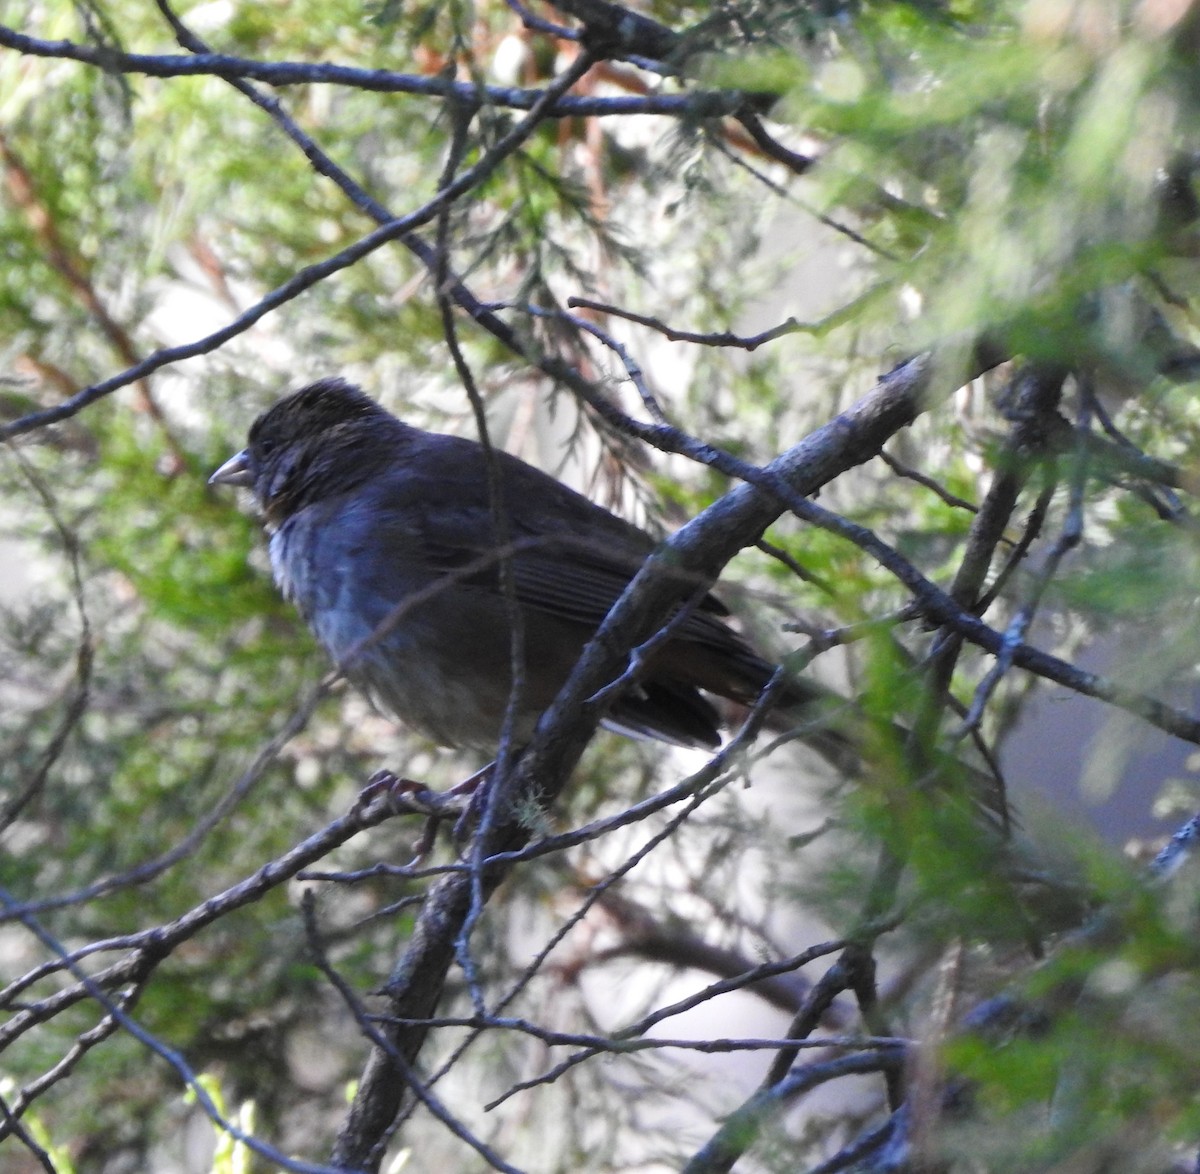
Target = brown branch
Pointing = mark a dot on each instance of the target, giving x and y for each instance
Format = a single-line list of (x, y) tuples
[(614, 31), (644, 936), (743, 981), (369, 1030), (401, 229), (69, 1061), (936, 487), (385, 81), (146, 949), (817, 1005), (794, 161), (1035, 396), (715, 338), (742, 1126)]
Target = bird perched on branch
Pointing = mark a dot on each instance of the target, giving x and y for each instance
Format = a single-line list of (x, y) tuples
[(384, 537)]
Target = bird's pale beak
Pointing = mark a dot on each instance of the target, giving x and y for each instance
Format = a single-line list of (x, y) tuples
[(235, 471)]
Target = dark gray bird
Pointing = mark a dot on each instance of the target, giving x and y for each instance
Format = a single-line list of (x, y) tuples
[(371, 519)]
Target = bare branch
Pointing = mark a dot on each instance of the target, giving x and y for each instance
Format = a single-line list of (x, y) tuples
[(743, 1126), (396, 229), (708, 103)]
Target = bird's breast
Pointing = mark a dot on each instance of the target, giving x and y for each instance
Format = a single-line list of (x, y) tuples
[(423, 646)]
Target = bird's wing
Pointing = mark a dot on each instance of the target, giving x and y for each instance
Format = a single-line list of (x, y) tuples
[(569, 557)]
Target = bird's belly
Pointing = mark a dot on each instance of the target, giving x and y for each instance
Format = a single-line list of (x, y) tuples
[(450, 708), (431, 651), (454, 690)]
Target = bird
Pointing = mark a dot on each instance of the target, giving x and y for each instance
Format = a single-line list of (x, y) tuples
[(384, 536)]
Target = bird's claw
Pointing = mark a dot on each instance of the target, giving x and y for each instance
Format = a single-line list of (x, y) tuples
[(462, 803), (402, 794)]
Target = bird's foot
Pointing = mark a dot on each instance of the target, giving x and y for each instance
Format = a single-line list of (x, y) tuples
[(408, 797), (404, 795)]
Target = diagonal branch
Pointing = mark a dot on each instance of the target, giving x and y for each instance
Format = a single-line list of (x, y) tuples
[(399, 228)]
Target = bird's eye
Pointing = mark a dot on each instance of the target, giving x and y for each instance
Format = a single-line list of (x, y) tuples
[(266, 447)]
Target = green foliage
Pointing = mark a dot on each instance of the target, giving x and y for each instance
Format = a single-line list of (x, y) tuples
[(983, 167)]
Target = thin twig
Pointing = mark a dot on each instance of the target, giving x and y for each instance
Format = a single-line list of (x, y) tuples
[(367, 1027), (902, 470)]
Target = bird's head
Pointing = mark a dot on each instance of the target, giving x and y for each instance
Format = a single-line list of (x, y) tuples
[(325, 435)]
